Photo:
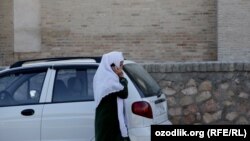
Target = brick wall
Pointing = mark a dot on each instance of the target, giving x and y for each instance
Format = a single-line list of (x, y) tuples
[(162, 30), (234, 30), (6, 32)]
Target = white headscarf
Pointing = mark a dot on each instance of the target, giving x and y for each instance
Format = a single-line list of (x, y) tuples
[(106, 80)]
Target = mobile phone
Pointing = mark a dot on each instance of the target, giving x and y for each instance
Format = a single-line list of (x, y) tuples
[(112, 65)]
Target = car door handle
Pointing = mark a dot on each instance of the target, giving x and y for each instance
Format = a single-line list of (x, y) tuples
[(28, 112)]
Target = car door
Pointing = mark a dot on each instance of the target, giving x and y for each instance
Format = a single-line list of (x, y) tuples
[(70, 112), (21, 93)]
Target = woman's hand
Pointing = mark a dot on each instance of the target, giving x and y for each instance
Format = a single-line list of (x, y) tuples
[(118, 71)]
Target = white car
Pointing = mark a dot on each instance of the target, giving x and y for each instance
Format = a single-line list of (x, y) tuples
[(52, 100)]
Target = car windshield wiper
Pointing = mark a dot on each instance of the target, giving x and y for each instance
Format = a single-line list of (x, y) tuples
[(159, 92)]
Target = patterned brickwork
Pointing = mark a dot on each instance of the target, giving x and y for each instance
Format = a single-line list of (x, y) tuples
[(6, 32), (145, 30)]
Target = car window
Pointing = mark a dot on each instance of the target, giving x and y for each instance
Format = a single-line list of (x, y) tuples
[(142, 79), (73, 85), (91, 73), (5, 81), (21, 88)]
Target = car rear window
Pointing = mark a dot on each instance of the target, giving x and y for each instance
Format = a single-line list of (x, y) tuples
[(142, 79)]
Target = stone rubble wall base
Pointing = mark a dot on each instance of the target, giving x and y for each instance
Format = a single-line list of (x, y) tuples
[(205, 92)]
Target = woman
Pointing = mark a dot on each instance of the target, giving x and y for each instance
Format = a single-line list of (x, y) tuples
[(110, 88)]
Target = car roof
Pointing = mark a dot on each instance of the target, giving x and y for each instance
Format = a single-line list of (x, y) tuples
[(62, 62), (50, 62), (56, 60)]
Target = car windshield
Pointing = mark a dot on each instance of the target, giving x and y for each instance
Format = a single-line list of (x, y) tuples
[(142, 79)]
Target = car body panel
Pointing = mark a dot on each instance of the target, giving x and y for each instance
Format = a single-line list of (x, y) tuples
[(16, 127), (74, 120)]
